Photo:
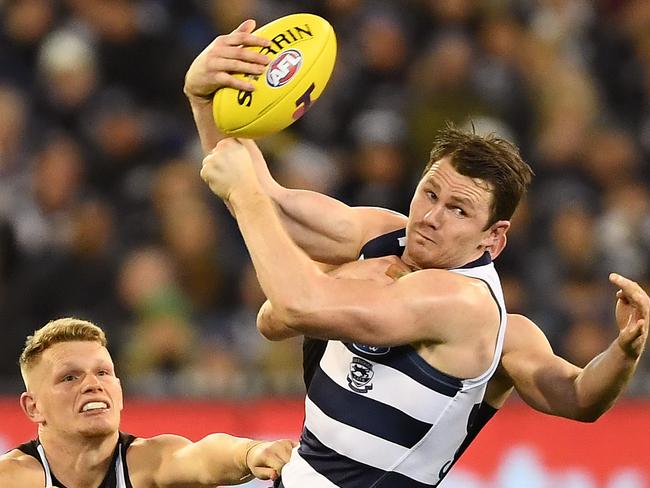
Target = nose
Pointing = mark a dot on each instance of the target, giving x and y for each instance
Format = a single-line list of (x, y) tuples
[(91, 383), (434, 216)]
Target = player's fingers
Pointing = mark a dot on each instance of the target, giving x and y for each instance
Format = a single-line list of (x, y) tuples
[(631, 332), (244, 39), (266, 473), (252, 148), (632, 292), (240, 53), (246, 26), (236, 66), (224, 79)]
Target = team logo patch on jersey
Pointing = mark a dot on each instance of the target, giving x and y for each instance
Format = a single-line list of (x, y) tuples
[(374, 350), (360, 375), (284, 68)]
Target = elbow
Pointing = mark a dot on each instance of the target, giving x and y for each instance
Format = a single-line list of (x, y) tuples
[(588, 415), (268, 332), (289, 314), (272, 323), (297, 309), (588, 418)]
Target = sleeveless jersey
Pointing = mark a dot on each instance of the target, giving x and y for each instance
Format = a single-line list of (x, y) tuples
[(382, 417), (117, 475)]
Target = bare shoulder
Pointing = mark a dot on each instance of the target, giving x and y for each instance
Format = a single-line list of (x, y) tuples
[(150, 449), (20, 469), (438, 283), (523, 335), (146, 455)]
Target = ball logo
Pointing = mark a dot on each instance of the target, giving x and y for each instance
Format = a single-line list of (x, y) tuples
[(284, 68)]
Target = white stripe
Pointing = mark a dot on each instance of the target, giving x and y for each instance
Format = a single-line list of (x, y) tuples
[(390, 386), (119, 468), (350, 441), (46, 466), (422, 463), (297, 473), (439, 445), (488, 274)]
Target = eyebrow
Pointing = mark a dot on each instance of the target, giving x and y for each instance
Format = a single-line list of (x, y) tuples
[(463, 201)]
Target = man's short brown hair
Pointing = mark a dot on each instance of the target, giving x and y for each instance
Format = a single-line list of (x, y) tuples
[(489, 158), (61, 330)]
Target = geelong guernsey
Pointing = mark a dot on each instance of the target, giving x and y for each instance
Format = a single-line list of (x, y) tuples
[(117, 475), (382, 417)]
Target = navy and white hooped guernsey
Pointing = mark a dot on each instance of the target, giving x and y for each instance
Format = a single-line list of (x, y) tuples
[(382, 417)]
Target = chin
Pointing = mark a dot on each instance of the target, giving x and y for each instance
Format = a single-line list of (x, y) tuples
[(423, 258), (99, 429)]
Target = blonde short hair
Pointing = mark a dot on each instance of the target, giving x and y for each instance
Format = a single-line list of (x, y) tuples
[(61, 330)]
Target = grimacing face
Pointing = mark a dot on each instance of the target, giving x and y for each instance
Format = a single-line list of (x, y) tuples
[(447, 220), (73, 390)]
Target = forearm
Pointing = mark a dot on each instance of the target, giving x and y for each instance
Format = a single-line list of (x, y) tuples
[(217, 459), (286, 274), (602, 381), (207, 129)]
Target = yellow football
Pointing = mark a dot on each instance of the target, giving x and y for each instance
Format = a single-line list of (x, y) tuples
[(302, 54)]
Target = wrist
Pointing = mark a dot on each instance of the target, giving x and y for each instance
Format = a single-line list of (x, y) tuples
[(246, 468), (198, 99), (246, 194)]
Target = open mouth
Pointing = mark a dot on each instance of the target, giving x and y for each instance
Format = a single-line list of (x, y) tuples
[(94, 407)]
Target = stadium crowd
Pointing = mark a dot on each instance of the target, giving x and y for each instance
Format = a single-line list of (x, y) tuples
[(103, 214)]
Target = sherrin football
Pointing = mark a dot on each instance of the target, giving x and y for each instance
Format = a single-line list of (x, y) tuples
[(302, 55)]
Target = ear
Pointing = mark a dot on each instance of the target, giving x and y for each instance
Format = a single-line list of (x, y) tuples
[(496, 240), (28, 404)]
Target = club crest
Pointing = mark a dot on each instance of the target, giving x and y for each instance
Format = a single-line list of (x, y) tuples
[(360, 375)]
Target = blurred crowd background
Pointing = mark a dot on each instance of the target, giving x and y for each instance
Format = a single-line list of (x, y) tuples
[(103, 214)]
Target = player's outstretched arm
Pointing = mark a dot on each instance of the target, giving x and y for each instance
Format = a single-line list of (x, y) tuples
[(213, 68), (324, 227), (217, 459), (552, 385)]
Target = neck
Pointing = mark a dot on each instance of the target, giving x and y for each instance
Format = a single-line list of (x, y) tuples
[(450, 265), (78, 461)]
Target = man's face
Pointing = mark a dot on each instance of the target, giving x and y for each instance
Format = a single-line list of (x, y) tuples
[(447, 219), (75, 391)]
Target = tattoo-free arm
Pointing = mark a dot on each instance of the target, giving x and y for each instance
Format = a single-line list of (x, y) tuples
[(552, 385), (217, 459)]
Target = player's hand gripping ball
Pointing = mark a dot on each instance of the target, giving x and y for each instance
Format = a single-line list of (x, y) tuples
[(302, 54)]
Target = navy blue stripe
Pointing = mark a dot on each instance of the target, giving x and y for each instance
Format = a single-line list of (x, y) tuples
[(384, 245), (482, 261), (348, 473), (406, 360), (376, 418)]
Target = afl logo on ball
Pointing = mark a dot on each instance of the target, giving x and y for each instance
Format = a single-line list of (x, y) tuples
[(284, 68)]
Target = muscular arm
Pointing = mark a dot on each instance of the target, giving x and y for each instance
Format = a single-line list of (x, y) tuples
[(214, 460), (19, 469), (324, 227), (271, 326), (552, 385), (328, 230), (422, 306)]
